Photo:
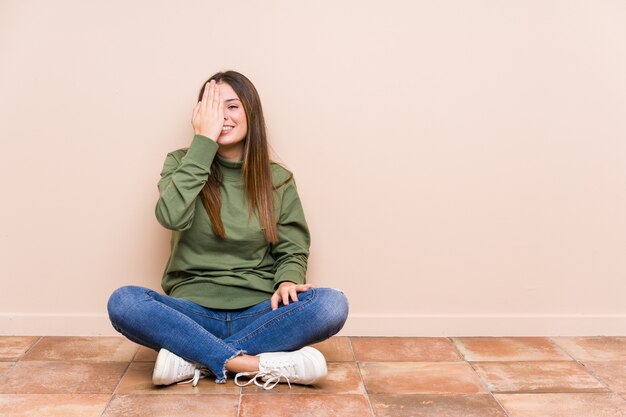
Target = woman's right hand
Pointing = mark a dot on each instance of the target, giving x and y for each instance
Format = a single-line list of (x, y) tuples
[(207, 118)]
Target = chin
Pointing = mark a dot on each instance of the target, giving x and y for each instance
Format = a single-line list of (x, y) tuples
[(229, 143)]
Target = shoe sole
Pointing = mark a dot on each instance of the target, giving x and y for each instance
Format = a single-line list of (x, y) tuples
[(318, 360), (158, 375)]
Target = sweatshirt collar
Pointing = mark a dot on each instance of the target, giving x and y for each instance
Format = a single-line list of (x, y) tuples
[(230, 169)]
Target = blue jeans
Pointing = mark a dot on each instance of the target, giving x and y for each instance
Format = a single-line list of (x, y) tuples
[(212, 337)]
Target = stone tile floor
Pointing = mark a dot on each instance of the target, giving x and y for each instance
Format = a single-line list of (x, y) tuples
[(368, 376)]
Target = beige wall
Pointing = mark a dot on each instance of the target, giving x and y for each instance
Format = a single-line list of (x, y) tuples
[(462, 163)]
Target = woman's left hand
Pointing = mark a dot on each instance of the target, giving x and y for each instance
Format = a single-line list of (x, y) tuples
[(286, 290)]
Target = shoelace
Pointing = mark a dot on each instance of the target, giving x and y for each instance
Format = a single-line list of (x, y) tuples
[(274, 379), (273, 375), (198, 374)]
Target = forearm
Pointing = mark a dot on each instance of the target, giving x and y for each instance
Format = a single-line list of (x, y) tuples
[(291, 252), (181, 183)]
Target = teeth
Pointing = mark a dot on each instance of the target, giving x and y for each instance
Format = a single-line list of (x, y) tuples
[(227, 128)]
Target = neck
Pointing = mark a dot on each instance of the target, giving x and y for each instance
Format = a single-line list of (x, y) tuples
[(231, 153)]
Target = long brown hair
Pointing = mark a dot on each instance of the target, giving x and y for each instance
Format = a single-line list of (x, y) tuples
[(256, 169)]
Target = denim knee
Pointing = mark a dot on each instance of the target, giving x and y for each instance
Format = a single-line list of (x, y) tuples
[(336, 308), (120, 301)]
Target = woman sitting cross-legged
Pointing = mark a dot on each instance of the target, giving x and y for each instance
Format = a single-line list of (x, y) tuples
[(236, 298)]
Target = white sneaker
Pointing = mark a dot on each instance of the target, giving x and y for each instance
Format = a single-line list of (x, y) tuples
[(305, 366), (170, 368)]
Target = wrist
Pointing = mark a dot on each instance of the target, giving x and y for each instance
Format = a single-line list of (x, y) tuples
[(206, 134)]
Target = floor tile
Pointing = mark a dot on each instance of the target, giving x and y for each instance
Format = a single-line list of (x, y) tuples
[(35, 377), (63, 348), (173, 406), (537, 376), (611, 373), (145, 354), (13, 347), (343, 378), (304, 405), (475, 405), (594, 348), (420, 378), (562, 405), (481, 349), (5, 366), (404, 349), (53, 405), (336, 349), (138, 380)]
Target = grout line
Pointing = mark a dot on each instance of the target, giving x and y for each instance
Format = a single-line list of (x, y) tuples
[(19, 358), (528, 392), (121, 378), (107, 406), (562, 349), (367, 395), (584, 365), (483, 382), (113, 394), (351, 349), (454, 345), (239, 402), (136, 352), (358, 367), (600, 380), (499, 404)]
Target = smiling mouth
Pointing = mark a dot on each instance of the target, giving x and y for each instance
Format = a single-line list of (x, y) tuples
[(227, 128)]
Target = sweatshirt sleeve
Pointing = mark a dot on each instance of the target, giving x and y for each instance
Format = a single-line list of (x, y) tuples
[(291, 252), (182, 179)]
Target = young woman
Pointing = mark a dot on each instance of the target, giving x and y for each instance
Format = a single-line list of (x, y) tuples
[(236, 298)]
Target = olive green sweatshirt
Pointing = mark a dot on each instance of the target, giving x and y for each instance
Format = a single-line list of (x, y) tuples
[(243, 269)]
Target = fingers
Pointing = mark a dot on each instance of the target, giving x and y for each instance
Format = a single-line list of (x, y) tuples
[(288, 293), (274, 301), (205, 94), (217, 102), (216, 96), (208, 115), (220, 108), (303, 288), (282, 294), (209, 101), (294, 294)]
